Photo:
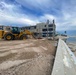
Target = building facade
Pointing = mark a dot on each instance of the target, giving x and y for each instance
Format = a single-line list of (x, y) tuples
[(43, 29)]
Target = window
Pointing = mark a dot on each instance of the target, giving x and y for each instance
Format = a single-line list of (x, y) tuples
[(50, 35), (14, 29), (45, 25), (50, 25), (44, 29), (50, 29), (35, 27), (29, 28), (32, 27), (1, 28), (43, 35)]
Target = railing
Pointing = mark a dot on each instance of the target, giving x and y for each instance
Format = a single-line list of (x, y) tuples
[(65, 61)]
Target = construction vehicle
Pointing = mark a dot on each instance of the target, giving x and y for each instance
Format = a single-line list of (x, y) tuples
[(11, 33)]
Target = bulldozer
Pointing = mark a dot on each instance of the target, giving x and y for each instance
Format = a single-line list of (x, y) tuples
[(12, 33)]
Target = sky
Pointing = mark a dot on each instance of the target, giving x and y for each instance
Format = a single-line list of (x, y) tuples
[(30, 12)]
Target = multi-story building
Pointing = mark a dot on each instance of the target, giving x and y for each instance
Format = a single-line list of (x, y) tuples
[(43, 29)]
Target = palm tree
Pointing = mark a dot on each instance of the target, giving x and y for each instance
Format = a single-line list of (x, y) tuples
[(65, 32)]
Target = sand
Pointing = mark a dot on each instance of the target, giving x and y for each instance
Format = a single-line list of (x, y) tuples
[(29, 57)]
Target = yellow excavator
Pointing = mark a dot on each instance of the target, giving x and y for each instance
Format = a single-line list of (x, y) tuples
[(12, 33)]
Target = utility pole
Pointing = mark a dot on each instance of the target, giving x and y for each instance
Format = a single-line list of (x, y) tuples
[(47, 28), (53, 29), (39, 32)]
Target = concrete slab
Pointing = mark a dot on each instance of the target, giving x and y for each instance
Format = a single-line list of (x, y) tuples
[(65, 61)]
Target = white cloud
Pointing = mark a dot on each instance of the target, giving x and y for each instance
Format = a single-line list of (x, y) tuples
[(18, 20), (8, 15), (11, 16), (35, 4), (49, 16), (45, 17), (65, 13), (68, 15)]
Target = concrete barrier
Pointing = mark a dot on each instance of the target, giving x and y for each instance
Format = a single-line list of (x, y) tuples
[(65, 60)]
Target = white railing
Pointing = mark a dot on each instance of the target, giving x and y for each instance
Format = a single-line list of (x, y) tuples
[(65, 60)]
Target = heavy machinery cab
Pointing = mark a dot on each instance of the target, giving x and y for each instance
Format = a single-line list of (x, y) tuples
[(15, 30)]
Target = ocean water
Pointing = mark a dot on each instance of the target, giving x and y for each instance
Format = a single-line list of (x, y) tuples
[(71, 40), (70, 33)]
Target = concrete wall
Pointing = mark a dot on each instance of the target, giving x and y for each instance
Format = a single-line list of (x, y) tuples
[(65, 60)]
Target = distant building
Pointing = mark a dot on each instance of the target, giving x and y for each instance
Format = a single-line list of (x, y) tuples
[(1, 27), (43, 29)]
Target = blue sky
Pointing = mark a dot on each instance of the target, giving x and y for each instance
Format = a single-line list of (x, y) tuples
[(30, 12)]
